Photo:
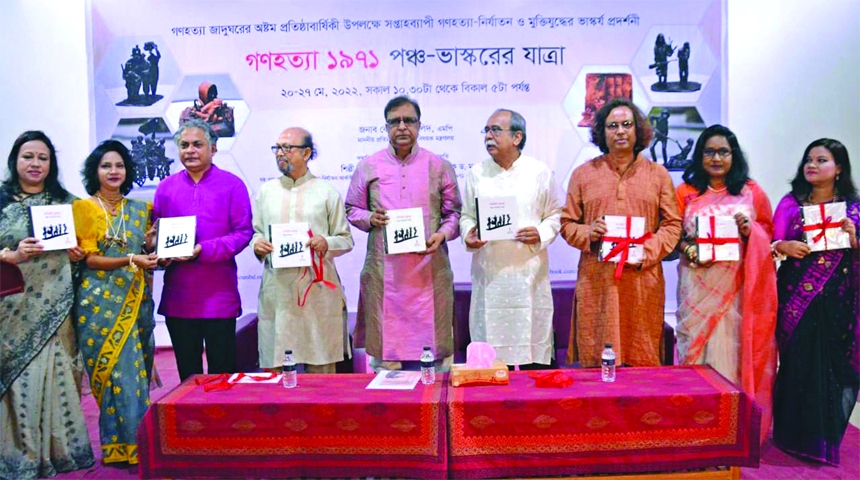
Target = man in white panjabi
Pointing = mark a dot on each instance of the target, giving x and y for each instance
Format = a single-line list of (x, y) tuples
[(295, 310), (511, 306)]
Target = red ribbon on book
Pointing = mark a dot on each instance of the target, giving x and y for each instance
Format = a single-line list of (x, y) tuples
[(712, 240), (622, 247), (318, 274), (823, 225)]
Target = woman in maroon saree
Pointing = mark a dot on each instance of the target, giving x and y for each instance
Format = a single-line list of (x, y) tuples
[(817, 325)]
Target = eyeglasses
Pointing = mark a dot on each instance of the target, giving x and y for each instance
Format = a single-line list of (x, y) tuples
[(395, 122), (494, 130), (285, 148), (711, 153), (626, 124)]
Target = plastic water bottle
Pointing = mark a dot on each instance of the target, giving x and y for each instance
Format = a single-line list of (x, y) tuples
[(428, 367), (289, 379), (607, 367)]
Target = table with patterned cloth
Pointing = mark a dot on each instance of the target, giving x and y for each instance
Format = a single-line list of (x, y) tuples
[(329, 426), (651, 419)]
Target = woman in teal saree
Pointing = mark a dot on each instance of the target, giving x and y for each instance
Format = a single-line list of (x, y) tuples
[(114, 317)]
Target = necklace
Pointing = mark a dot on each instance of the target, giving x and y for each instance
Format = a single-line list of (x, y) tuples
[(816, 202), (114, 234), (20, 195), (717, 190)]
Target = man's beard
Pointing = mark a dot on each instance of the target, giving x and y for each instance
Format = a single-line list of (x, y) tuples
[(286, 169)]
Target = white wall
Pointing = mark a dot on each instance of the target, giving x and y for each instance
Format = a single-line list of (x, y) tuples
[(793, 76), (45, 81)]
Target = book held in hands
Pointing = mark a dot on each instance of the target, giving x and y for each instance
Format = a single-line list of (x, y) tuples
[(717, 238), (176, 237), (621, 230), (290, 242), (822, 227), (53, 226), (497, 218), (405, 231)]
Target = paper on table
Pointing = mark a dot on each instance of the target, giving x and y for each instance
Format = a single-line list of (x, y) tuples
[(250, 378), (394, 380)]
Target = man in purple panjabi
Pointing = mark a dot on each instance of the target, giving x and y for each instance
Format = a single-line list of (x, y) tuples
[(200, 297)]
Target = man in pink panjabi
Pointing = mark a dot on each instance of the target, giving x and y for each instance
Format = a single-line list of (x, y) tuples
[(406, 301)]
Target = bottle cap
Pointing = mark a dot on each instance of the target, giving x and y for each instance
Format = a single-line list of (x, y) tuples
[(426, 348), (608, 345), (288, 352)]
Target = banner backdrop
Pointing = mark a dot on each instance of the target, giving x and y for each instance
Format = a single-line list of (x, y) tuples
[(254, 68)]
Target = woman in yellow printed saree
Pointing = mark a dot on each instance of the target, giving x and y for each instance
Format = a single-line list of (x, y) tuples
[(114, 318)]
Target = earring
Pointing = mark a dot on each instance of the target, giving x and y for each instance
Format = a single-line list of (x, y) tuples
[(837, 177)]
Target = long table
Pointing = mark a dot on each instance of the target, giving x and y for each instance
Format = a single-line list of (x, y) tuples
[(649, 420), (328, 426)]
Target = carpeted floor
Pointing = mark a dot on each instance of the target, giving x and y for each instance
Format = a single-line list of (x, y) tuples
[(775, 464)]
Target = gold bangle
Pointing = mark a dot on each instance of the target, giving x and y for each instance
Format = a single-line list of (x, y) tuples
[(688, 252), (776, 255), (131, 264), (4, 252)]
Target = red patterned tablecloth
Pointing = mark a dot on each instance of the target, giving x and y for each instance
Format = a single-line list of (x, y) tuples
[(328, 426), (650, 419)]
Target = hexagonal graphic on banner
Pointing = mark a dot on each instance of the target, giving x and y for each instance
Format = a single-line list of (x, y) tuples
[(674, 62), (214, 99), (593, 88), (139, 75), (226, 161), (153, 151), (676, 130), (587, 153)]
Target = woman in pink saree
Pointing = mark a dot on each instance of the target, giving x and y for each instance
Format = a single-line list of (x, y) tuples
[(727, 309)]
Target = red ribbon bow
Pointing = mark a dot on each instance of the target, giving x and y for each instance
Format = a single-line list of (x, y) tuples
[(823, 225), (622, 247), (712, 240), (217, 383), (554, 379), (319, 276)]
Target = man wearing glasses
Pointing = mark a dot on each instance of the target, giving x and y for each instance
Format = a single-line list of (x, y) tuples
[(625, 311), (511, 305), (406, 301), (297, 308)]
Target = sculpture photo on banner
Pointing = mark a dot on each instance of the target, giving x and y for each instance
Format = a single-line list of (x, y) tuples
[(601, 88), (330, 67), (153, 152), (675, 132), (214, 99), (593, 87), (675, 63), (138, 73)]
